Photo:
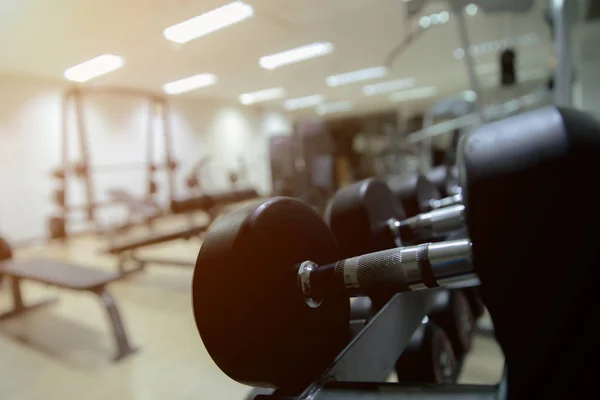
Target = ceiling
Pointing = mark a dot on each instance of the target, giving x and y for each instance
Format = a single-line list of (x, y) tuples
[(43, 38)]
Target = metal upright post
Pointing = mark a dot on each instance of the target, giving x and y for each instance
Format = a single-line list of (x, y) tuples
[(562, 17), (468, 57)]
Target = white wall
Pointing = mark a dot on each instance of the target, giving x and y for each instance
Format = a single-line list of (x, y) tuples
[(30, 131), (586, 93)]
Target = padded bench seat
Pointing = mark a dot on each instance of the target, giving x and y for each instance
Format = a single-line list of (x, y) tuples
[(66, 276), (125, 250), (58, 273)]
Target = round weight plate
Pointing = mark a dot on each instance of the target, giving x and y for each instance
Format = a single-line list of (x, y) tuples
[(444, 360), (248, 308), (414, 192), (456, 320), (432, 361), (425, 192), (358, 216)]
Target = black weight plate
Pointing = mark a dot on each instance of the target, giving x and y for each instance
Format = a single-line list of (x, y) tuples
[(413, 191), (358, 215), (431, 361), (456, 319), (444, 178), (248, 308)]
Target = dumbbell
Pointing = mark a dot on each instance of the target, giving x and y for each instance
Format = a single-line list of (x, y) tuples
[(417, 194), (365, 217), (271, 301)]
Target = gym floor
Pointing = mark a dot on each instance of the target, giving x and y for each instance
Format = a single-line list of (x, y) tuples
[(64, 351)]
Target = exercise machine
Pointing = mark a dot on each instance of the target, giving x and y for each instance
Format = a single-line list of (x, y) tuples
[(270, 289), (82, 169)]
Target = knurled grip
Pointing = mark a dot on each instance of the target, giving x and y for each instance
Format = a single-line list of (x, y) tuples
[(406, 268)]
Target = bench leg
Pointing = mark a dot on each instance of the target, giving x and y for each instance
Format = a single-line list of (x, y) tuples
[(123, 347), (126, 259), (18, 306)]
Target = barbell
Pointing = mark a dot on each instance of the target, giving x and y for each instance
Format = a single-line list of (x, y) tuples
[(270, 290)]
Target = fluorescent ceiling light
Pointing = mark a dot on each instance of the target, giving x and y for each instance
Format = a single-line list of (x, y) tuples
[(413, 94), (444, 17), (355, 76), (425, 22), (330, 108), (471, 9), (304, 102), (434, 19), (190, 83), (389, 86), (209, 22), (95, 67), (459, 54), (296, 55), (262, 95), (497, 45)]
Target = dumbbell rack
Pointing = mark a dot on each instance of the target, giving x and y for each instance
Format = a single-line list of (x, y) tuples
[(360, 370)]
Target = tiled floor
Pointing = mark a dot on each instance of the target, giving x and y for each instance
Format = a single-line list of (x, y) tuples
[(63, 351)]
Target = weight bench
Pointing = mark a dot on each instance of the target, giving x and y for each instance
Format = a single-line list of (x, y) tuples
[(65, 276), (126, 250), (146, 209)]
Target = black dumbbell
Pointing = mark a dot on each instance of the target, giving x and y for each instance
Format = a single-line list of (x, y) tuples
[(428, 358), (418, 194), (365, 217), (278, 258), (271, 301)]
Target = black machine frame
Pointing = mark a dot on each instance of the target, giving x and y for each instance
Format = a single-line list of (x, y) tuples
[(360, 370)]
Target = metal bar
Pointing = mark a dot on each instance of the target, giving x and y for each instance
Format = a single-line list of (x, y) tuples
[(117, 91), (394, 391), (164, 113), (463, 35), (489, 113), (562, 18), (150, 148), (166, 261), (85, 154), (442, 128), (64, 150), (123, 347), (16, 292), (372, 354)]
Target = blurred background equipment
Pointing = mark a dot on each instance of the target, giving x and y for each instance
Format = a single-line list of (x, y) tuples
[(81, 172)]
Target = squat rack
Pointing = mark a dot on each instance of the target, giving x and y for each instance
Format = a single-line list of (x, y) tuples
[(83, 168)]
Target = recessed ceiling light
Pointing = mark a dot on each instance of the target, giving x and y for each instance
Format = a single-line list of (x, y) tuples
[(471, 9), (93, 68), (459, 54), (337, 107), (190, 83), (389, 86), (425, 22), (209, 22), (304, 102), (355, 76), (444, 17), (469, 95), (413, 94), (262, 95), (295, 55)]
